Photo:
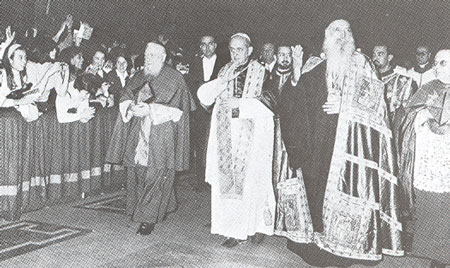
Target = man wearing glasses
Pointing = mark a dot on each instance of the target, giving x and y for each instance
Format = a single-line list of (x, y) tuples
[(203, 69)]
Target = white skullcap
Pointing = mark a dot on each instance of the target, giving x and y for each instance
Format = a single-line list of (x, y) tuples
[(243, 35)]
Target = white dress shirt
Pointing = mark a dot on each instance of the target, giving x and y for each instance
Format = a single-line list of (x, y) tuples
[(208, 67), (269, 66), (122, 77)]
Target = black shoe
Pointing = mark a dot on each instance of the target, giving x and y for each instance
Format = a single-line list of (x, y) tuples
[(232, 242), (257, 238), (146, 228)]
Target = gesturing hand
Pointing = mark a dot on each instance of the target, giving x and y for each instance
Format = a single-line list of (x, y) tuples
[(297, 56), (9, 36), (297, 62), (332, 106), (229, 74), (69, 21), (87, 114)]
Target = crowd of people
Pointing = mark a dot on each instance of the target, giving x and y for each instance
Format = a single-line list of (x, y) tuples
[(345, 155)]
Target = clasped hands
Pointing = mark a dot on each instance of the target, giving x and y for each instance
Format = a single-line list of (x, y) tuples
[(140, 109)]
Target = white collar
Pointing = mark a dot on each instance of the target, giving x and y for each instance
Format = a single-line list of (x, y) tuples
[(212, 58), (272, 64), (119, 74), (101, 73)]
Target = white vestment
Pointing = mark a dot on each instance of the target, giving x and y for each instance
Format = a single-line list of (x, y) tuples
[(239, 157)]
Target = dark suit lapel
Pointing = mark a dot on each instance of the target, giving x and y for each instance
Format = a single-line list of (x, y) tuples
[(217, 66)]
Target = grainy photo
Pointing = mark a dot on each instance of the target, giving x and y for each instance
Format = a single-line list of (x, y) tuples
[(225, 133)]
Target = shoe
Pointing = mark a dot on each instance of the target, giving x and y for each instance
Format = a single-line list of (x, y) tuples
[(232, 242), (146, 228), (257, 238)]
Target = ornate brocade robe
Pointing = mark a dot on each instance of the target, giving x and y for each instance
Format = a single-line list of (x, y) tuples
[(348, 162)]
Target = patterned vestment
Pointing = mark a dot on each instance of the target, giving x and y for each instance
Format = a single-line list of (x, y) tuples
[(239, 157), (360, 217)]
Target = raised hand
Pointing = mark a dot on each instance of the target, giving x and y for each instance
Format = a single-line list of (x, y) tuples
[(9, 36), (229, 74), (91, 69), (69, 21), (297, 62), (297, 56)]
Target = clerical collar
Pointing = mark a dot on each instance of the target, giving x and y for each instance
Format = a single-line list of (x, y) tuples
[(270, 66), (121, 75)]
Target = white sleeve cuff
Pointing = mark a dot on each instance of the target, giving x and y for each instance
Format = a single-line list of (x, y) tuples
[(161, 113), (123, 108), (208, 92)]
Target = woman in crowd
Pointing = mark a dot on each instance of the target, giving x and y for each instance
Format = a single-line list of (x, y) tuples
[(118, 77), (74, 106), (25, 84), (97, 64), (96, 68)]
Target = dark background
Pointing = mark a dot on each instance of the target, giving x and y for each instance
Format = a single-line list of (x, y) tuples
[(401, 24)]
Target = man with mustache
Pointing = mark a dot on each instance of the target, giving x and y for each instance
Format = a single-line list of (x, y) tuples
[(151, 138), (399, 86), (335, 127), (283, 69), (240, 148)]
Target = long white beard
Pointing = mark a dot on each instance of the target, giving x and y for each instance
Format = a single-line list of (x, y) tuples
[(339, 55), (153, 69)]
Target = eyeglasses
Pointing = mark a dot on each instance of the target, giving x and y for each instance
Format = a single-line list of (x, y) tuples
[(206, 44)]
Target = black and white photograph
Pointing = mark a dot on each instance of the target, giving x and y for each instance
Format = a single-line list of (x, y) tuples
[(224, 133)]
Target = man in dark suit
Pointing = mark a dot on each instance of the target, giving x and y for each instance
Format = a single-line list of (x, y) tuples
[(281, 73), (423, 72), (423, 56), (202, 69)]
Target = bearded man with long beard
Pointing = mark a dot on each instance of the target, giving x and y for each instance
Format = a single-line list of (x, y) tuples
[(151, 138), (335, 127)]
